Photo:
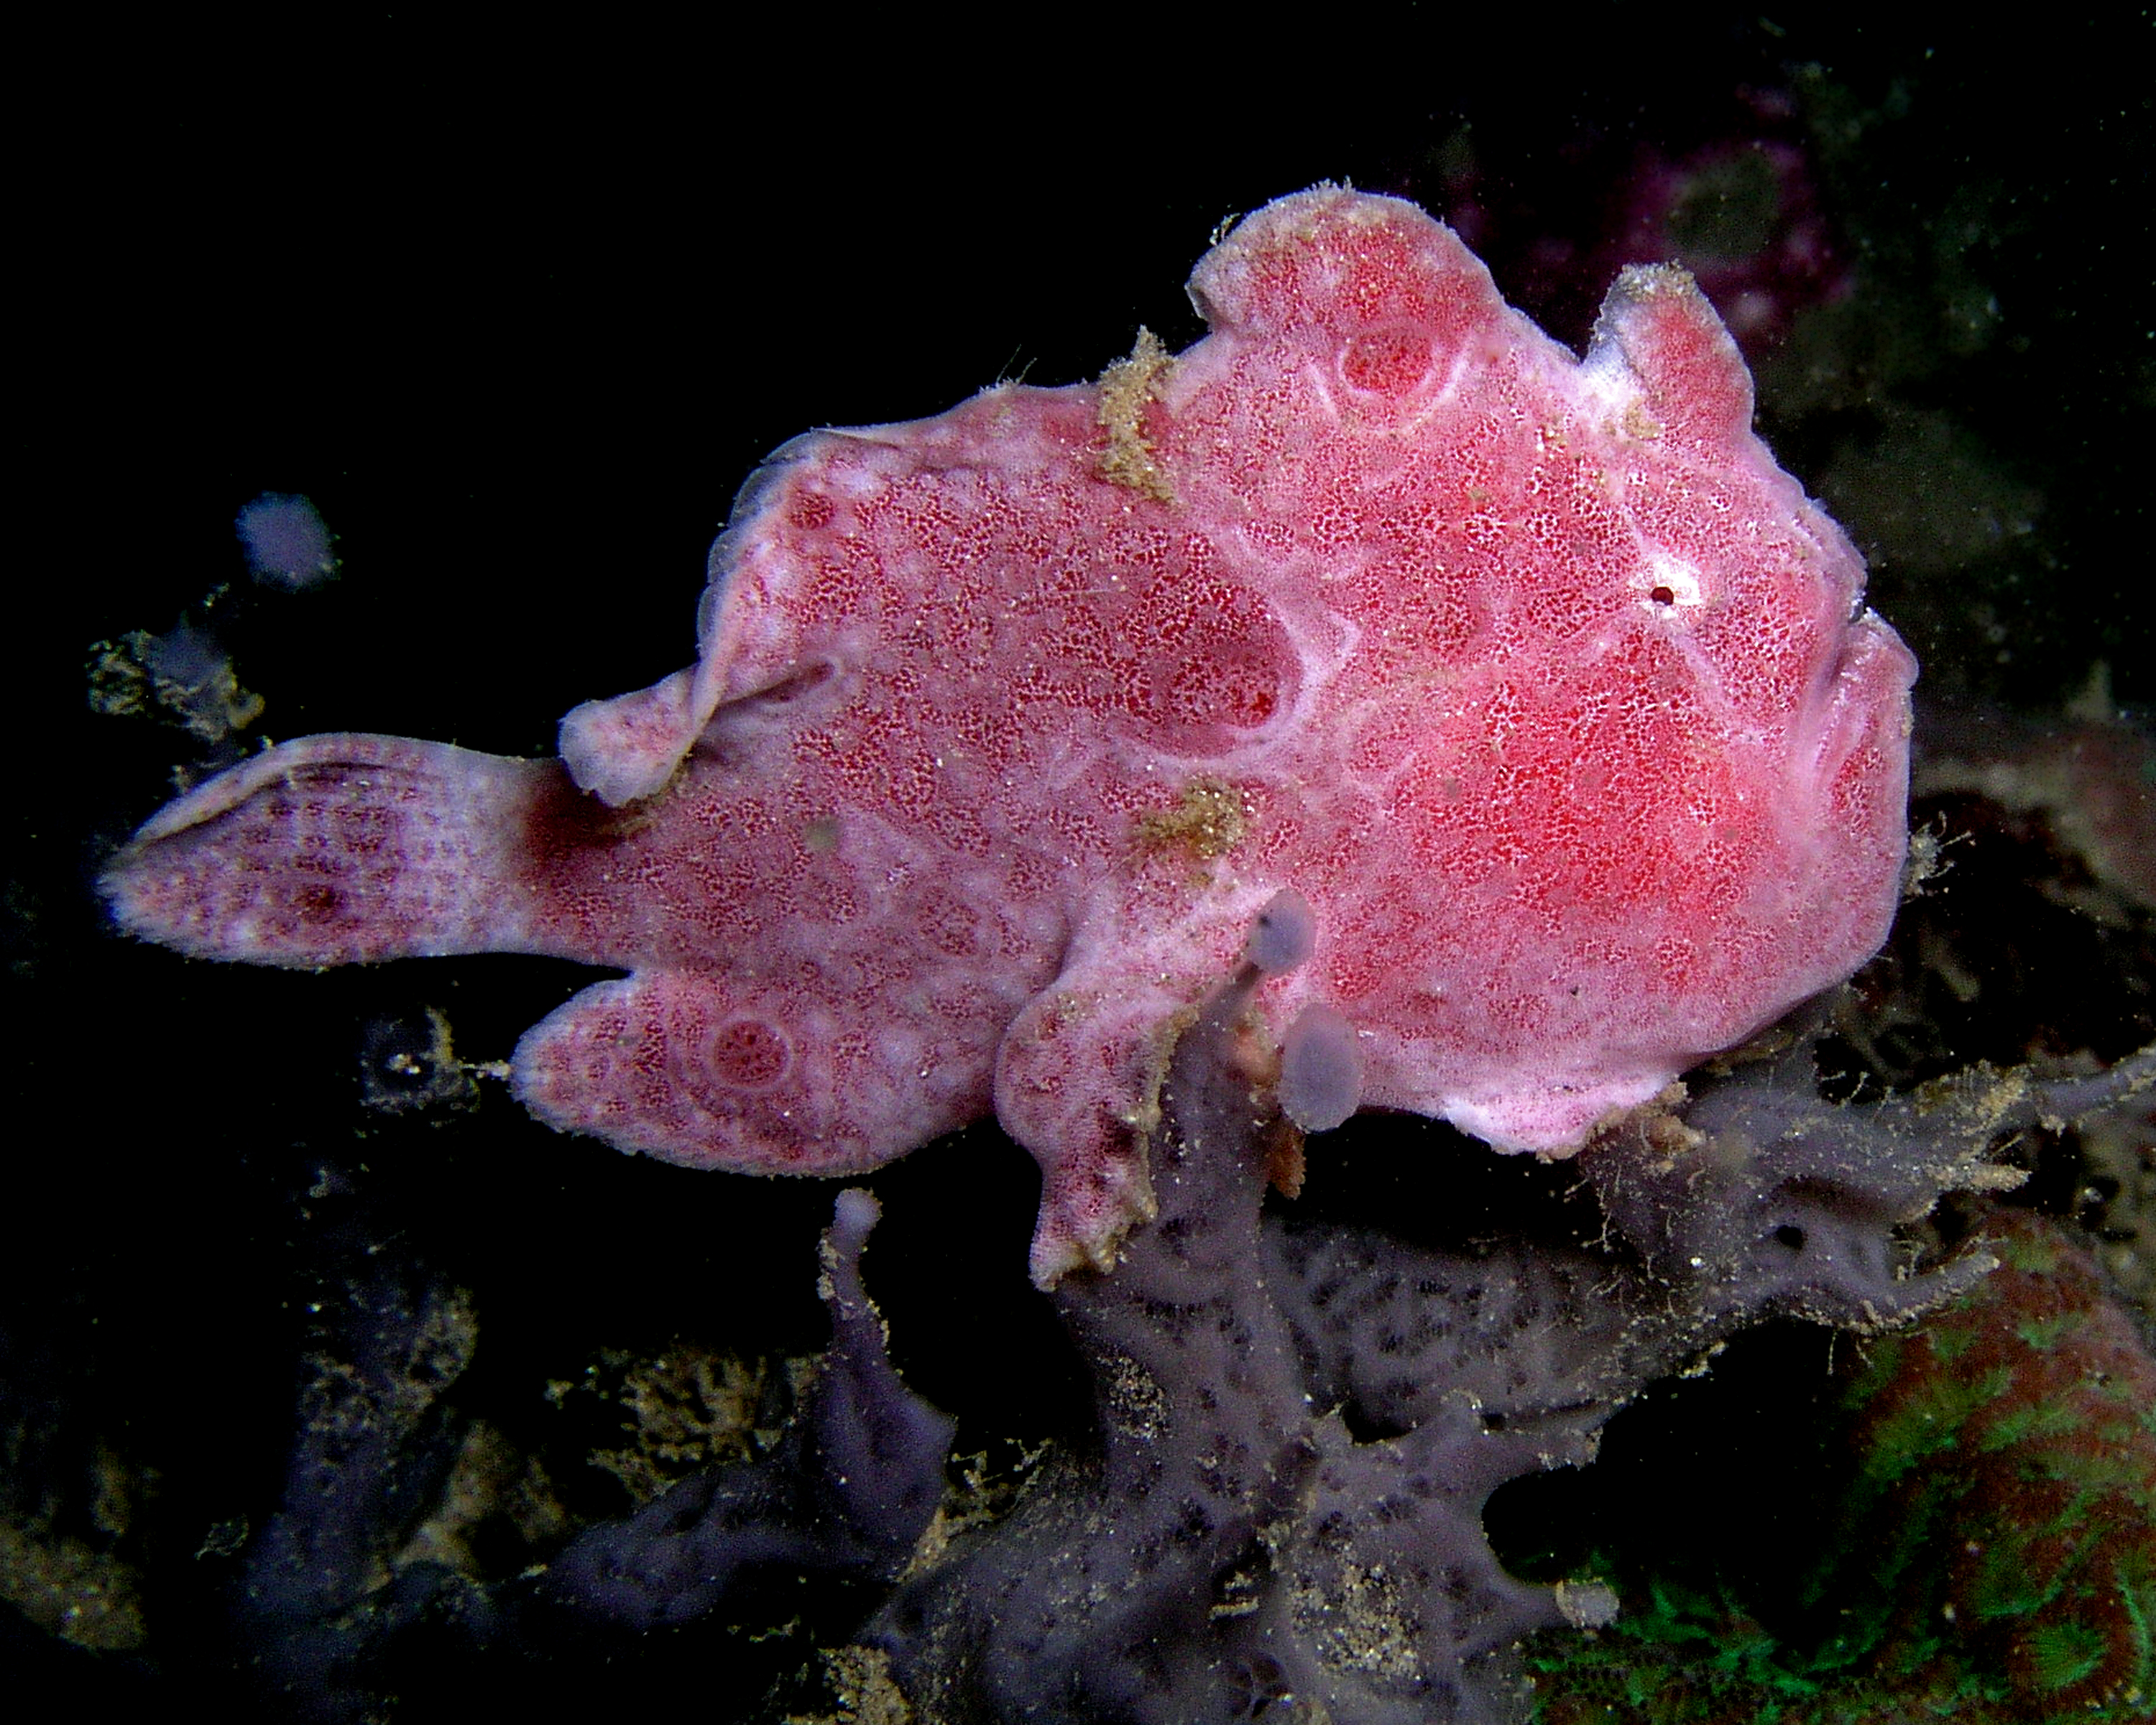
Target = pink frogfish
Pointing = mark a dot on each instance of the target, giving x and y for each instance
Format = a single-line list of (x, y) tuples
[(1528, 682)]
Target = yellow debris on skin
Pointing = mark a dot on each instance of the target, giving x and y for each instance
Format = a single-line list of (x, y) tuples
[(1210, 818), (1126, 387)]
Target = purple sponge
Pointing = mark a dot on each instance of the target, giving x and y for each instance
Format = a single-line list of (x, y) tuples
[(287, 541)]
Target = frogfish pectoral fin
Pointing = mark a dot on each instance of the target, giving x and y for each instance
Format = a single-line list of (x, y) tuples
[(698, 1068), (627, 747)]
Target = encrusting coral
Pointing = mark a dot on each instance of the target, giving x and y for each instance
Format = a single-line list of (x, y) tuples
[(2004, 1495), (1994, 1555)]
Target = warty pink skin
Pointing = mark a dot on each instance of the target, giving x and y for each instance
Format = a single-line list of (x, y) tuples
[(1552, 696)]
